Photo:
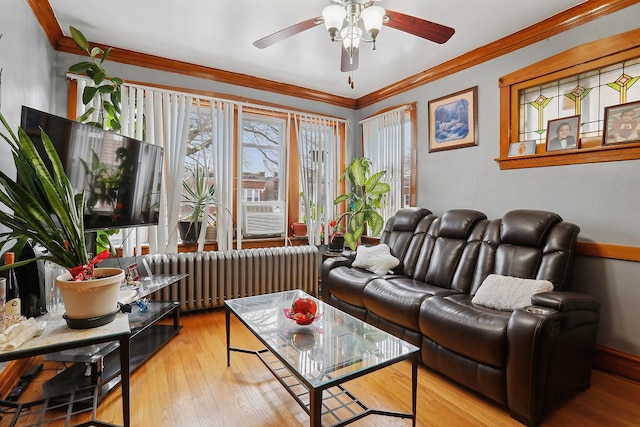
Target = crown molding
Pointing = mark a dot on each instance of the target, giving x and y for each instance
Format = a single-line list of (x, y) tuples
[(570, 18), (563, 21)]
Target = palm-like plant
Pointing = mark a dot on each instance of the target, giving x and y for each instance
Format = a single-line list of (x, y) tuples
[(363, 201), (198, 197), (41, 205)]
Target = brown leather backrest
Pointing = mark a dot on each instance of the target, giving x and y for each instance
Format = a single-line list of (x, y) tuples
[(450, 249), (399, 232), (530, 244)]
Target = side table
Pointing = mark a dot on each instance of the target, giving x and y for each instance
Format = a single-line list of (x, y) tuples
[(57, 336), (147, 337)]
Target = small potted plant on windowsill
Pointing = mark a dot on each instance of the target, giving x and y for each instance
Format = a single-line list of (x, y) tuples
[(42, 207), (197, 195)]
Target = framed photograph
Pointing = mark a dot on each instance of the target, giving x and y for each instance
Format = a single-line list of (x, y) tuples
[(562, 133), (133, 272), (453, 120), (622, 123), (522, 148)]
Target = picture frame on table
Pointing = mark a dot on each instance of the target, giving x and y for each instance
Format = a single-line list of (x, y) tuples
[(622, 123), (133, 271), (522, 148), (453, 120), (563, 133)]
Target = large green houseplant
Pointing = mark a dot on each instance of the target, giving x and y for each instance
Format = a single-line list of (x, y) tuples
[(41, 207), (363, 202)]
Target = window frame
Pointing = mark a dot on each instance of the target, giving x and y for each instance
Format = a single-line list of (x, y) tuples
[(577, 60)]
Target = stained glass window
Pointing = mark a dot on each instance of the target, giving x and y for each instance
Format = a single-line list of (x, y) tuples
[(586, 94)]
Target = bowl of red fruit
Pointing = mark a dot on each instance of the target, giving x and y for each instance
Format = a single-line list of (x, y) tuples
[(303, 311)]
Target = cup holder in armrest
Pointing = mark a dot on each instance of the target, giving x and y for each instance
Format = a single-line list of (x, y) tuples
[(536, 310)]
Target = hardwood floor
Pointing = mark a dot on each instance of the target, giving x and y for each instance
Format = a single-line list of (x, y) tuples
[(188, 384)]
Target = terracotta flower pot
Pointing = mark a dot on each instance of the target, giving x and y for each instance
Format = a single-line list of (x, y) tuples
[(299, 229), (91, 298)]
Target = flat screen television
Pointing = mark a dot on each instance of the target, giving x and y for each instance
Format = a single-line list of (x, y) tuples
[(121, 177)]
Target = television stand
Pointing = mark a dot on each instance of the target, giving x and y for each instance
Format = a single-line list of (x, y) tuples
[(99, 364)]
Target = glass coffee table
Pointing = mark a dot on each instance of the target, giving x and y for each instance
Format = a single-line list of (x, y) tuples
[(313, 361)]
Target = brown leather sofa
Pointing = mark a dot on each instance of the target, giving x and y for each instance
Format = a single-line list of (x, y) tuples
[(528, 359)]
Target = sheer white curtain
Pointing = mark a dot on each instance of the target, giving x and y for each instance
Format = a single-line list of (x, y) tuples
[(219, 115), (383, 137), (161, 118), (319, 149)]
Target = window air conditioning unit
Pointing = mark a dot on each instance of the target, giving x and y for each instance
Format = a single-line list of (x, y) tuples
[(263, 219)]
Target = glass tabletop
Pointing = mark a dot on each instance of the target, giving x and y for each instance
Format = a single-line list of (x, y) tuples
[(335, 346)]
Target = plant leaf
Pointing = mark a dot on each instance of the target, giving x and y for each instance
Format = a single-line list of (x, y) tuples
[(88, 93), (80, 67), (79, 39)]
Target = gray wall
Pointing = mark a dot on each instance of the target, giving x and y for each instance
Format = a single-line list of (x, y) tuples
[(603, 198), (26, 58)]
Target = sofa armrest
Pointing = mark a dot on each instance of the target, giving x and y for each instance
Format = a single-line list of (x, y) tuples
[(565, 301), (551, 346), (328, 265)]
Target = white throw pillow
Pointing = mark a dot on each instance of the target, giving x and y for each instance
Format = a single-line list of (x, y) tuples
[(509, 293), (377, 259)]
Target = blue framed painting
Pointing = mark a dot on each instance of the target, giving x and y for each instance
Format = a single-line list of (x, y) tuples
[(453, 120)]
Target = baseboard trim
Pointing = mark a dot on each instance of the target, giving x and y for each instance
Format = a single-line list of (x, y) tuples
[(617, 362)]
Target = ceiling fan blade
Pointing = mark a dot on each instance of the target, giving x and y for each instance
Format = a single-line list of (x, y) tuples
[(345, 64), (287, 32), (419, 27)]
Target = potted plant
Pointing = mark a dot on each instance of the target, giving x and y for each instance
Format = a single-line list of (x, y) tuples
[(336, 238), (363, 201), (197, 196), (42, 207)]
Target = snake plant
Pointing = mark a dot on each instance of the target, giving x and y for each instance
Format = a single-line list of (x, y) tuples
[(41, 205)]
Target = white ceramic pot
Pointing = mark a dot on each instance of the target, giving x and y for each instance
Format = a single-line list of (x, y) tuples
[(91, 298)]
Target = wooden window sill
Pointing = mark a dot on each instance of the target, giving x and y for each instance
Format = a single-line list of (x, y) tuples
[(608, 153)]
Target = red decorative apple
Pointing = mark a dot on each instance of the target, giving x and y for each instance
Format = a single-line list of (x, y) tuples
[(303, 310)]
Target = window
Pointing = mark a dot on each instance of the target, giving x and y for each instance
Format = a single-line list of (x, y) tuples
[(581, 81), (263, 157), (389, 141), (241, 150), (585, 94), (319, 153)]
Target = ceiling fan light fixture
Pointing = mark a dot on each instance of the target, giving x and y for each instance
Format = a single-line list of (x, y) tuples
[(372, 18), (351, 39), (333, 16)]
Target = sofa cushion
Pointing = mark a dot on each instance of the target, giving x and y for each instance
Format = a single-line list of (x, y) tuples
[(347, 284), (377, 259), (476, 332), (509, 293), (398, 299)]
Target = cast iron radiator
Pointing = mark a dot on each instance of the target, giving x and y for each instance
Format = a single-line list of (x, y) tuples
[(215, 276)]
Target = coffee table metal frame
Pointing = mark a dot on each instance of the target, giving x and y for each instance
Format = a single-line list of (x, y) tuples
[(308, 395)]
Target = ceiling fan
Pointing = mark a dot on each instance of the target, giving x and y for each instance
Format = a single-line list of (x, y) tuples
[(355, 21)]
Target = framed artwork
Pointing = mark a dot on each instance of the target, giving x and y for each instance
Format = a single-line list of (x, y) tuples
[(453, 120), (133, 271), (522, 148), (562, 133), (622, 123)]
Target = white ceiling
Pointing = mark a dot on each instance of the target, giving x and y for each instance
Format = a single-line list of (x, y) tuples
[(219, 34)]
